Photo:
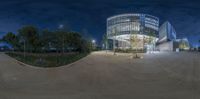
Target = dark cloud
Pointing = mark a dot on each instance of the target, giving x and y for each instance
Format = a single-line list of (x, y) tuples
[(91, 15)]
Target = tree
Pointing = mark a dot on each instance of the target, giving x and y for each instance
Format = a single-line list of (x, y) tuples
[(45, 39), (29, 39), (105, 41), (69, 40), (151, 39), (114, 32), (86, 46), (134, 43), (75, 40), (12, 39), (199, 46), (61, 39), (199, 42), (31, 36)]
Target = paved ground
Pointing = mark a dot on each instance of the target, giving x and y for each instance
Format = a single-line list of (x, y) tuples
[(100, 76)]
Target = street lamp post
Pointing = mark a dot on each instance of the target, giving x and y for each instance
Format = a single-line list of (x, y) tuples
[(61, 27), (106, 43), (114, 41), (24, 48)]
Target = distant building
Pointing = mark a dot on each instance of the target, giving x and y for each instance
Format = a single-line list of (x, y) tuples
[(166, 32), (183, 44), (168, 40)]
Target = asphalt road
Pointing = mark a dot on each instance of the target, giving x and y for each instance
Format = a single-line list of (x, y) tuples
[(101, 76)]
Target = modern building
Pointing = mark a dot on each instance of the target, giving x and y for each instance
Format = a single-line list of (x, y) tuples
[(142, 32), (168, 40), (183, 44), (166, 32), (124, 29)]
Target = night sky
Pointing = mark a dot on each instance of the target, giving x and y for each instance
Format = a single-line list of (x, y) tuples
[(89, 16)]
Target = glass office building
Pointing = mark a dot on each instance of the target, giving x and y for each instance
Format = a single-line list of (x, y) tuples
[(121, 28), (167, 32), (168, 40)]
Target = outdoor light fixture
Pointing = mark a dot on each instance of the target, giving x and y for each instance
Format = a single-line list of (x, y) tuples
[(61, 26), (93, 41)]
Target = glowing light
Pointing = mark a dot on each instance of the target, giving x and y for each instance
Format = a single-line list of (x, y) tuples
[(93, 41), (60, 26)]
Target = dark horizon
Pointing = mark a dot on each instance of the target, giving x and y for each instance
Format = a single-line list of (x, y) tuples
[(89, 16)]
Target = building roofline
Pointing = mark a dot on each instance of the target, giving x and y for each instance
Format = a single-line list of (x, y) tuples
[(128, 14)]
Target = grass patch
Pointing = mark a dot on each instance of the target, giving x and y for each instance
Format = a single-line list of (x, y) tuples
[(48, 59)]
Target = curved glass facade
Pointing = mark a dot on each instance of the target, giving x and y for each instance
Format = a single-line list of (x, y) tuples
[(121, 27)]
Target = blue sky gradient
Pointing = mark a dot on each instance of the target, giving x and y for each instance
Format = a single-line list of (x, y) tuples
[(89, 16)]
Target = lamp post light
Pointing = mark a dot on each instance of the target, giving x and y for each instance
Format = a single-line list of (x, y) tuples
[(93, 44), (93, 41), (61, 26)]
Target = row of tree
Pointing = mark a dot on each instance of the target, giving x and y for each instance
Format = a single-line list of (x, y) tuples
[(31, 39)]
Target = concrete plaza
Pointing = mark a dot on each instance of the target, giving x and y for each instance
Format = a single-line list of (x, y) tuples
[(105, 76)]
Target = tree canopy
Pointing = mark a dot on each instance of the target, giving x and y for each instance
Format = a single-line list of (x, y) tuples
[(37, 40)]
